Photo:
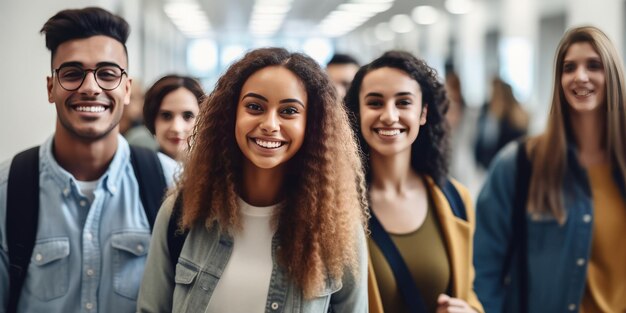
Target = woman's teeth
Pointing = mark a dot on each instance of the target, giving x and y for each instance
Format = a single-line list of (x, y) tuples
[(268, 144)]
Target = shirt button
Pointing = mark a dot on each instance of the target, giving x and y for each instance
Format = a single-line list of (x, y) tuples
[(39, 257), (88, 236), (113, 189), (89, 272), (580, 262), (89, 306), (140, 248), (274, 306), (66, 192), (571, 307), (586, 218), (83, 203)]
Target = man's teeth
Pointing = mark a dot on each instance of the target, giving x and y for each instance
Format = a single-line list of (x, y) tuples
[(582, 92), (92, 109), (392, 132), (268, 144)]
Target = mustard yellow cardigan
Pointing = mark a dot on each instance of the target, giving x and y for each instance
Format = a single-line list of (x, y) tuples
[(458, 235)]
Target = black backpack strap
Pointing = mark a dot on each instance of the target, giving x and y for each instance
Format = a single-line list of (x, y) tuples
[(151, 180), (519, 237), (176, 238), (454, 199), (404, 279), (22, 219)]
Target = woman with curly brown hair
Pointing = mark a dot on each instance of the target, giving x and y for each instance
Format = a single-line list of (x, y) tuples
[(398, 106), (273, 199)]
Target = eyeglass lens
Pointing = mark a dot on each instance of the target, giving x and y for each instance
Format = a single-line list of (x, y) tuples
[(108, 77)]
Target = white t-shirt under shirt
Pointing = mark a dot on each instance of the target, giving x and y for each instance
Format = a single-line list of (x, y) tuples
[(244, 284)]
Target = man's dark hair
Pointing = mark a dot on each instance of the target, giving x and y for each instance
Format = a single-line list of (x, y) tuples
[(84, 23), (340, 58)]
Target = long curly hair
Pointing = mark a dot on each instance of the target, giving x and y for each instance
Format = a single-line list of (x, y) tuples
[(430, 151), (324, 186)]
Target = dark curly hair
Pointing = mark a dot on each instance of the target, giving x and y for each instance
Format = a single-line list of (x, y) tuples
[(324, 185), (430, 151), (161, 88)]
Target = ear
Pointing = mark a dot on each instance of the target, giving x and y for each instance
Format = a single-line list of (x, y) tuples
[(127, 89), (424, 114), (49, 83)]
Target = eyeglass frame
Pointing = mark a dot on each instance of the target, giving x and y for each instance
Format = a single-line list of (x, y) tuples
[(55, 72)]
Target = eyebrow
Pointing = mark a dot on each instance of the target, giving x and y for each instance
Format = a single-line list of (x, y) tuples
[(80, 64), (380, 95), (258, 96)]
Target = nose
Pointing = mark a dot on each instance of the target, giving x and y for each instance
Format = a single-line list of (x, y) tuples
[(581, 74), (178, 125), (270, 123), (90, 85), (389, 114)]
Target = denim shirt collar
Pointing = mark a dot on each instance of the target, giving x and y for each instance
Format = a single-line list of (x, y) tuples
[(109, 180)]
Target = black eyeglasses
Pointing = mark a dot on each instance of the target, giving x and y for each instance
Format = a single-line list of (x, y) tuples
[(108, 77)]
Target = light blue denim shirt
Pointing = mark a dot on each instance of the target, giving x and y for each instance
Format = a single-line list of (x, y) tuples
[(557, 254), (87, 257), (188, 287)]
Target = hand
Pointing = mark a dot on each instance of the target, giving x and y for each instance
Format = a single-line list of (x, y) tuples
[(447, 304)]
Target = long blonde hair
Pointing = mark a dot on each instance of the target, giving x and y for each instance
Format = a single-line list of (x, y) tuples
[(548, 151), (324, 187)]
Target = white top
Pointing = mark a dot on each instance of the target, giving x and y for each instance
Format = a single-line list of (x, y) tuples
[(87, 188), (244, 285)]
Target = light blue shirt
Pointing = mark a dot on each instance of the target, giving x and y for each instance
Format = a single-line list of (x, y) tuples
[(88, 257)]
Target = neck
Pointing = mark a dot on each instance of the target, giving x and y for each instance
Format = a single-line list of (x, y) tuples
[(391, 173), (589, 132), (262, 187), (85, 160)]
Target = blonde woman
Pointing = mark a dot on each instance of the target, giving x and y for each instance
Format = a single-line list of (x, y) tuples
[(574, 215)]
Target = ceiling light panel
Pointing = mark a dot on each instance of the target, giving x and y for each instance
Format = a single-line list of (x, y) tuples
[(268, 16), (351, 15), (188, 17)]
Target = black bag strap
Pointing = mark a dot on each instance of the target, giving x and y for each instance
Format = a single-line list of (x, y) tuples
[(175, 238), (519, 236), (22, 219), (411, 295), (454, 199), (150, 178)]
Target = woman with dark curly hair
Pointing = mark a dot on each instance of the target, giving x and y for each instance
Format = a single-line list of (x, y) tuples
[(272, 198), (169, 112), (398, 106)]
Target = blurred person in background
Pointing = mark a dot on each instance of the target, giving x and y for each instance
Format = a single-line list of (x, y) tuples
[(399, 106), (131, 124), (501, 121), (552, 213), (170, 110), (341, 69)]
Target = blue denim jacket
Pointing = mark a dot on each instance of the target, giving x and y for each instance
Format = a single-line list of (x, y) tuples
[(203, 258), (87, 258), (557, 254)]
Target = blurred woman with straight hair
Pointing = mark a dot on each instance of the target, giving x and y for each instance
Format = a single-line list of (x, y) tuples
[(574, 215)]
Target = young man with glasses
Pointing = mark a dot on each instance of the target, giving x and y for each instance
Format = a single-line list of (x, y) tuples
[(92, 228)]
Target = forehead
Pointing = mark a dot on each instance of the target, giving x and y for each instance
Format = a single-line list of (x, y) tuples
[(342, 69), (390, 80), (275, 81), (581, 49), (180, 99), (91, 51)]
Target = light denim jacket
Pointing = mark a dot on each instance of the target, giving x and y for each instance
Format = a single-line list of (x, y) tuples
[(557, 254), (202, 261), (86, 258)]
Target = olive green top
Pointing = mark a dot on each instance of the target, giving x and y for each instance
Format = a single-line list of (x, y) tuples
[(424, 252)]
